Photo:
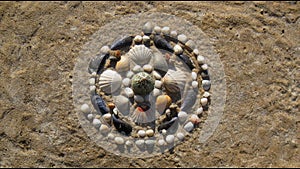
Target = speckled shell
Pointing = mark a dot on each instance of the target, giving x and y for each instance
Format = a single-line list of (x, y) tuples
[(110, 81), (174, 81), (140, 55)]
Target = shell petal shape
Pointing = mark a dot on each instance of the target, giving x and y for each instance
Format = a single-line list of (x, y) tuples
[(174, 81), (110, 81), (140, 55), (163, 102), (123, 64), (141, 117)]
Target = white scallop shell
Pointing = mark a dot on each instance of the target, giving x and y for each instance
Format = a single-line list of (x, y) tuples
[(139, 55), (141, 117), (110, 81), (174, 81)]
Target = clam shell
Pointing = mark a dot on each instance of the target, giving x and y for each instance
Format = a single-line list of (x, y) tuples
[(159, 62), (140, 55), (123, 64), (141, 117), (174, 81), (110, 81), (163, 102)]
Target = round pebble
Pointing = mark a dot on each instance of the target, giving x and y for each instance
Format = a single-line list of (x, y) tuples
[(156, 92), (138, 38), (104, 129), (163, 131), (188, 126), (138, 98), (173, 34), (158, 84), (92, 81), (196, 52), (129, 92), (194, 119), (107, 117), (148, 68), (85, 108), (194, 75), (166, 30), (199, 110), (200, 59), (204, 66), (149, 133), (90, 116), (96, 123), (182, 116), (177, 49), (204, 101), (182, 38), (147, 28), (161, 142), (150, 142), (206, 94), (180, 136), (157, 29), (206, 84), (191, 44), (129, 74), (92, 89), (128, 143), (110, 136), (170, 139), (119, 140), (137, 68), (140, 143), (126, 82), (146, 38), (94, 74), (142, 133), (156, 75), (104, 49), (194, 84)]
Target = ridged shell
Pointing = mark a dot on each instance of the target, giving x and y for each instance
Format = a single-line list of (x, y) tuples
[(123, 64), (163, 102), (110, 81), (140, 55), (141, 117), (174, 81)]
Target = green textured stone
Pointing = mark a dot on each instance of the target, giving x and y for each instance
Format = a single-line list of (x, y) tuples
[(142, 83)]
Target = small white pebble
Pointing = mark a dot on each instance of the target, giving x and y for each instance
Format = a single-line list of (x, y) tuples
[(92, 89), (104, 49), (194, 84), (146, 38), (149, 133), (203, 101), (182, 116), (110, 136), (206, 84), (104, 129), (204, 66), (94, 74), (107, 117), (140, 143), (170, 139), (157, 29), (147, 28), (85, 108), (96, 123), (173, 34), (163, 131), (129, 74), (158, 84), (189, 126), (194, 75), (126, 82), (182, 38), (119, 140), (128, 143), (206, 94), (148, 68), (161, 142), (166, 30), (177, 49), (138, 98), (129, 92), (138, 38), (200, 59), (199, 110), (196, 52), (142, 133), (92, 81), (194, 119), (90, 116), (191, 44), (156, 75), (137, 68), (150, 142), (180, 136), (156, 92)]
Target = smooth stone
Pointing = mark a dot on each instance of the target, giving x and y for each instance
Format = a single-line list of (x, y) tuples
[(92, 81), (137, 68), (165, 30), (178, 49), (94, 74), (200, 59), (138, 98), (129, 92), (138, 38), (204, 101), (146, 38), (173, 34), (107, 117), (142, 133), (110, 136), (180, 136), (164, 132), (194, 119), (105, 49), (128, 143), (90, 116), (126, 82), (196, 52), (147, 28), (156, 75), (158, 84), (182, 116), (140, 143), (85, 108), (170, 139), (150, 142), (206, 84), (92, 89), (194, 84), (148, 68), (156, 92), (104, 129), (182, 38), (188, 126), (149, 133), (161, 142), (199, 110), (204, 66), (119, 140), (157, 29), (206, 94), (129, 74), (96, 123), (191, 44), (194, 76)]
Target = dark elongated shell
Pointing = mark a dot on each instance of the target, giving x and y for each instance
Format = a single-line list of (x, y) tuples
[(167, 124), (162, 43), (99, 104), (97, 64), (122, 43), (187, 61), (121, 125)]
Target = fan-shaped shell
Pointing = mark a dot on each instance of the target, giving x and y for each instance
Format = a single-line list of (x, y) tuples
[(123, 64), (141, 117), (159, 62), (110, 81), (140, 55), (174, 81), (163, 102)]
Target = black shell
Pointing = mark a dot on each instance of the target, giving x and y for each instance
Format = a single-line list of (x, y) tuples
[(122, 43), (121, 125), (99, 104), (167, 124), (97, 63), (162, 43)]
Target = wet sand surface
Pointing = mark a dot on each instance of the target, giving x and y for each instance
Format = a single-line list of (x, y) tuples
[(259, 47)]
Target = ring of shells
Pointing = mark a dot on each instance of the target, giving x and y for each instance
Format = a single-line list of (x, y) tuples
[(148, 90)]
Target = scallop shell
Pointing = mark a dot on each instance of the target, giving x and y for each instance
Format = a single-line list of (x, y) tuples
[(174, 81), (110, 81), (139, 55), (163, 102), (141, 117), (123, 64)]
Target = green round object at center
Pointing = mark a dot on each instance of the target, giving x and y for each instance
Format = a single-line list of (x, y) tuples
[(142, 83)]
